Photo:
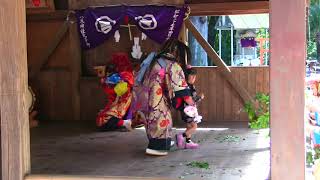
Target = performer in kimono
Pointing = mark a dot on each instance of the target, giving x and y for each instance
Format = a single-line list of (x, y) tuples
[(161, 77), (117, 83)]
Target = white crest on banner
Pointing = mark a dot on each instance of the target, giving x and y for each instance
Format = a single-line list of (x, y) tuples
[(147, 21), (104, 24)]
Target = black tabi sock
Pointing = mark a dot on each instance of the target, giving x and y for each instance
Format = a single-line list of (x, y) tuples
[(188, 140)]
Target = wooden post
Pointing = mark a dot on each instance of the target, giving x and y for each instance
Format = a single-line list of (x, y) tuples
[(223, 68), (287, 73), (13, 89), (75, 69)]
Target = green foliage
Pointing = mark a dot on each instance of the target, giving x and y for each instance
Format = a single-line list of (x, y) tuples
[(314, 23), (311, 50), (316, 153), (310, 159), (313, 30), (313, 156), (199, 164), (261, 33), (228, 138), (259, 117)]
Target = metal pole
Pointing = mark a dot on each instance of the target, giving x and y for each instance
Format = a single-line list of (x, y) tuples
[(232, 46), (220, 39), (220, 43), (266, 46)]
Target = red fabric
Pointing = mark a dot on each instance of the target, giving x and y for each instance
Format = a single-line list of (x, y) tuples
[(188, 100), (36, 3), (109, 90), (179, 102), (122, 62), (124, 67), (126, 20), (128, 77), (120, 123), (100, 119)]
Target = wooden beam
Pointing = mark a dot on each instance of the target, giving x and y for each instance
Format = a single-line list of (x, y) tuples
[(222, 67), (50, 49), (15, 150), (75, 69), (56, 15), (82, 4), (287, 73), (229, 8), (76, 177)]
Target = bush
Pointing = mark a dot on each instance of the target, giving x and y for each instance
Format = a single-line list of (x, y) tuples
[(259, 116), (311, 50)]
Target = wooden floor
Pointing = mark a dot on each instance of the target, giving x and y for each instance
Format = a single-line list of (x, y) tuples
[(77, 149)]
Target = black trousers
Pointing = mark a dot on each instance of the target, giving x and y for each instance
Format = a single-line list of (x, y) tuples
[(111, 125)]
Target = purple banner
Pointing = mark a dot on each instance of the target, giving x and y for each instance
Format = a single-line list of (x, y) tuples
[(159, 23), (248, 42)]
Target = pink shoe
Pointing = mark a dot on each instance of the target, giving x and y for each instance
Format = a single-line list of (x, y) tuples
[(191, 145), (180, 141)]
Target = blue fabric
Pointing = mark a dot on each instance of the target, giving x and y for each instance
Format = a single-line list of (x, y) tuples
[(144, 66), (162, 63), (113, 79), (316, 116), (316, 136)]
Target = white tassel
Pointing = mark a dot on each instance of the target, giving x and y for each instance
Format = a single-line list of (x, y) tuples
[(117, 36), (143, 36), (136, 49)]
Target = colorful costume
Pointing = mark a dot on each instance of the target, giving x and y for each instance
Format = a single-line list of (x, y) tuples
[(186, 117), (119, 95), (164, 78)]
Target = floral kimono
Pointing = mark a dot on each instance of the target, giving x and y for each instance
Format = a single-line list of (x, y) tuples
[(158, 87)]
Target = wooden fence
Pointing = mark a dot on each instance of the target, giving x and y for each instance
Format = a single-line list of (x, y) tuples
[(222, 103)]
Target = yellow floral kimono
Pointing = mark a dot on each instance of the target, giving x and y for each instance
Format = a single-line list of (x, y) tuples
[(158, 86)]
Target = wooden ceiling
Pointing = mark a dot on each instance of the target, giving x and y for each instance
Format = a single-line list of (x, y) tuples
[(227, 7), (198, 7), (218, 1)]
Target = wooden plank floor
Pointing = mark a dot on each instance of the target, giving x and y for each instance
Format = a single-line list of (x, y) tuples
[(77, 149)]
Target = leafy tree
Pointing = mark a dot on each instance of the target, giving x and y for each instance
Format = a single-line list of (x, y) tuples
[(314, 25)]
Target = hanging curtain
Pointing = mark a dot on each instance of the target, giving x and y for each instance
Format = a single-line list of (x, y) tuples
[(159, 23)]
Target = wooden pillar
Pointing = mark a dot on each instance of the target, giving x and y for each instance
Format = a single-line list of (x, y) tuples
[(15, 136), (75, 68), (287, 73)]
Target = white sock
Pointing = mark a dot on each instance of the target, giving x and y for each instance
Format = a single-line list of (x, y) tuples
[(127, 124)]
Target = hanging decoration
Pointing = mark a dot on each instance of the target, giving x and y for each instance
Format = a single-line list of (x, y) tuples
[(159, 23), (248, 39), (117, 36), (127, 25), (248, 42), (136, 49), (143, 36)]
